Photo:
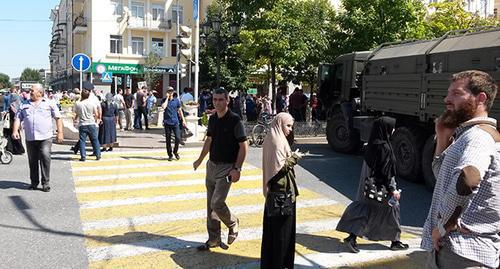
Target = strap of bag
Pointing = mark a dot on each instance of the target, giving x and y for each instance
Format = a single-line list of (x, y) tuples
[(490, 130)]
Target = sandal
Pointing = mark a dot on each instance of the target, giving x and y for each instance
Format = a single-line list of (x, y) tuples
[(398, 245), (207, 246)]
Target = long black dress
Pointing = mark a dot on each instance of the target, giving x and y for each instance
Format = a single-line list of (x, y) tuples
[(107, 130), (278, 236), (366, 217)]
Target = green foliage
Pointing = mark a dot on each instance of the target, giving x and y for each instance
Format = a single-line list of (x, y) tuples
[(451, 15), (30, 74), (4, 81), (151, 62), (366, 24), (233, 67)]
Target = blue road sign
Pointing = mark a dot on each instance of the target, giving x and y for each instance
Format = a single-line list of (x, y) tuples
[(82, 61), (107, 77), (195, 10)]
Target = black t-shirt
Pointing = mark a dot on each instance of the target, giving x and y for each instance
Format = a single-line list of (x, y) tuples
[(129, 98), (226, 133)]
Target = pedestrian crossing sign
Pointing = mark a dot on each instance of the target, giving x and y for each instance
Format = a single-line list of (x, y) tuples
[(107, 77)]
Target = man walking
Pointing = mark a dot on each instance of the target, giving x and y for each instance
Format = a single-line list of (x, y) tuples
[(120, 102), (129, 108), (463, 225), (36, 117), (87, 116), (227, 143), (171, 123)]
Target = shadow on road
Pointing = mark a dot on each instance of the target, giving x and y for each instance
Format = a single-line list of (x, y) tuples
[(342, 171), (13, 185), (183, 251)]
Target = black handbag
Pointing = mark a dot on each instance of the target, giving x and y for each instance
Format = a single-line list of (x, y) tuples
[(279, 203), (374, 191)]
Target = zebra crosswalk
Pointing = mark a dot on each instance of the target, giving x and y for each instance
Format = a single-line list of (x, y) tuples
[(140, 211)]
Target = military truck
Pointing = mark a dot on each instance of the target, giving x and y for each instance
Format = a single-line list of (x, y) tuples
[(406, 80)]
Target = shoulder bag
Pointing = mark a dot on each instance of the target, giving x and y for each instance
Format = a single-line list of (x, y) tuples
[(373, 191), (279, 203)]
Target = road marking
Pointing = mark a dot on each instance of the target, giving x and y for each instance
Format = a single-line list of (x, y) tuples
[(114, 188), (186, 215), (159, 199), (187, 241)]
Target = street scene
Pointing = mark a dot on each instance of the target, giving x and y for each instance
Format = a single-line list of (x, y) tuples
[(250, 134)]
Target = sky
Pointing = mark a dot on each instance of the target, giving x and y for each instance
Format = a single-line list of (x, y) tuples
[(25, 34)]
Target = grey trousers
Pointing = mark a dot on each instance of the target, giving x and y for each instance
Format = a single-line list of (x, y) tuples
[(217, 190), (447, 259), (129, 117), (39, 157)]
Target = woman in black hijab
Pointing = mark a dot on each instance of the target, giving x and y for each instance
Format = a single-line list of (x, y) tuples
[(374, 219)]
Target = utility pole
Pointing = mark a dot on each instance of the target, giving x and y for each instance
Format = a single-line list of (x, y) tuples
[(177, 45)]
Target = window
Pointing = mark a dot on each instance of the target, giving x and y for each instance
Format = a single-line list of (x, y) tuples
[(177, 10), (173, 48), (157, 46), (116, 45), (117, 6), (158, 13), (138, 10), (138, 45)]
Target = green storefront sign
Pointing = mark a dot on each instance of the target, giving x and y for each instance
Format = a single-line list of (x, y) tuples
[(125, 69), (252, 91)]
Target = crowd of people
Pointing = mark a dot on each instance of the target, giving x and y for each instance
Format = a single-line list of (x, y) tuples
[(462, 229)]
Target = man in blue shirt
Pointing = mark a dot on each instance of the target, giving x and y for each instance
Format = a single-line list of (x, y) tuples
[(171, 114)]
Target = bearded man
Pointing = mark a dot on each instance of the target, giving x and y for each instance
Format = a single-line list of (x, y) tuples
[(454, 234)]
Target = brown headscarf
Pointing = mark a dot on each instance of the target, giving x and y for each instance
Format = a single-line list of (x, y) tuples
[(275, 148)]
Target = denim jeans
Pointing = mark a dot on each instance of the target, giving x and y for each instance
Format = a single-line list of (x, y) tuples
[(39, 157), (91, 131), (168, 138)]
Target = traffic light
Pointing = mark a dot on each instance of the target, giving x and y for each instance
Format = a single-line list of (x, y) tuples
[(183, 70), (185, 41)]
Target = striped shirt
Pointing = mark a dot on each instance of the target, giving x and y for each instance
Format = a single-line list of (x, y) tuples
[(471, 147)]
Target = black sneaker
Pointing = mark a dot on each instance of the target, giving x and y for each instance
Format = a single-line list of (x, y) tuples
[(97, 158), (398, 245), (170, 158), (82, 159), (177, 156), (45, 188), (352, 245)]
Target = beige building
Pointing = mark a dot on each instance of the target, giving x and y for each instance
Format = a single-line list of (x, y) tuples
[(496, 10), (118, 35)]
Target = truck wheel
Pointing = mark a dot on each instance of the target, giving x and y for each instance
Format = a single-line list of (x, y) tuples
[(427, 157), (407, 143), (340, 137)]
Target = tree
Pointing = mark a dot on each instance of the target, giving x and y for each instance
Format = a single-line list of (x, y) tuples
[(362, 24), (233, 68), (4, 81), (30, 74), (150, 64), (451, 15)]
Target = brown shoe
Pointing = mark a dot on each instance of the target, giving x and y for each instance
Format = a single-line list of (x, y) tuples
[(233, 232)]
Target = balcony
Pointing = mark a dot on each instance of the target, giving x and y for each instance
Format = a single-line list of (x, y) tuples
[(149, 24), (80, 25)]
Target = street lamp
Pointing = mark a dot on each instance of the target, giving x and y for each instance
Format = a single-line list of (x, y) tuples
[(215, 25)]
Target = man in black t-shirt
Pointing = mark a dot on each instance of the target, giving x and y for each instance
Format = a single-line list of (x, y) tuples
[(129, 108), (227, 143)]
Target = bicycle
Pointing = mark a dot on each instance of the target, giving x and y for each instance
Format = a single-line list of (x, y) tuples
[(260, 130)]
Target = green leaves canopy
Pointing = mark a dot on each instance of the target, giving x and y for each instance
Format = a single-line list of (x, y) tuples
[(30, 74), (4, 81)]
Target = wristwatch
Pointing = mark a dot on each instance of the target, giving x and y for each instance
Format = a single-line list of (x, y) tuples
[(237, 169)]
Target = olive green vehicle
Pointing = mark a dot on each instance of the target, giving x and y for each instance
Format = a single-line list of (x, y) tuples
[(406, 80)]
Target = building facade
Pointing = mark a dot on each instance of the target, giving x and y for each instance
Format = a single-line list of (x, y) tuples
[(118, 35), (485, 8)]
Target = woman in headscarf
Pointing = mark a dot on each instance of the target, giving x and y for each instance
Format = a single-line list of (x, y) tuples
[(107, 129), (369, 218), (278, 236)]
